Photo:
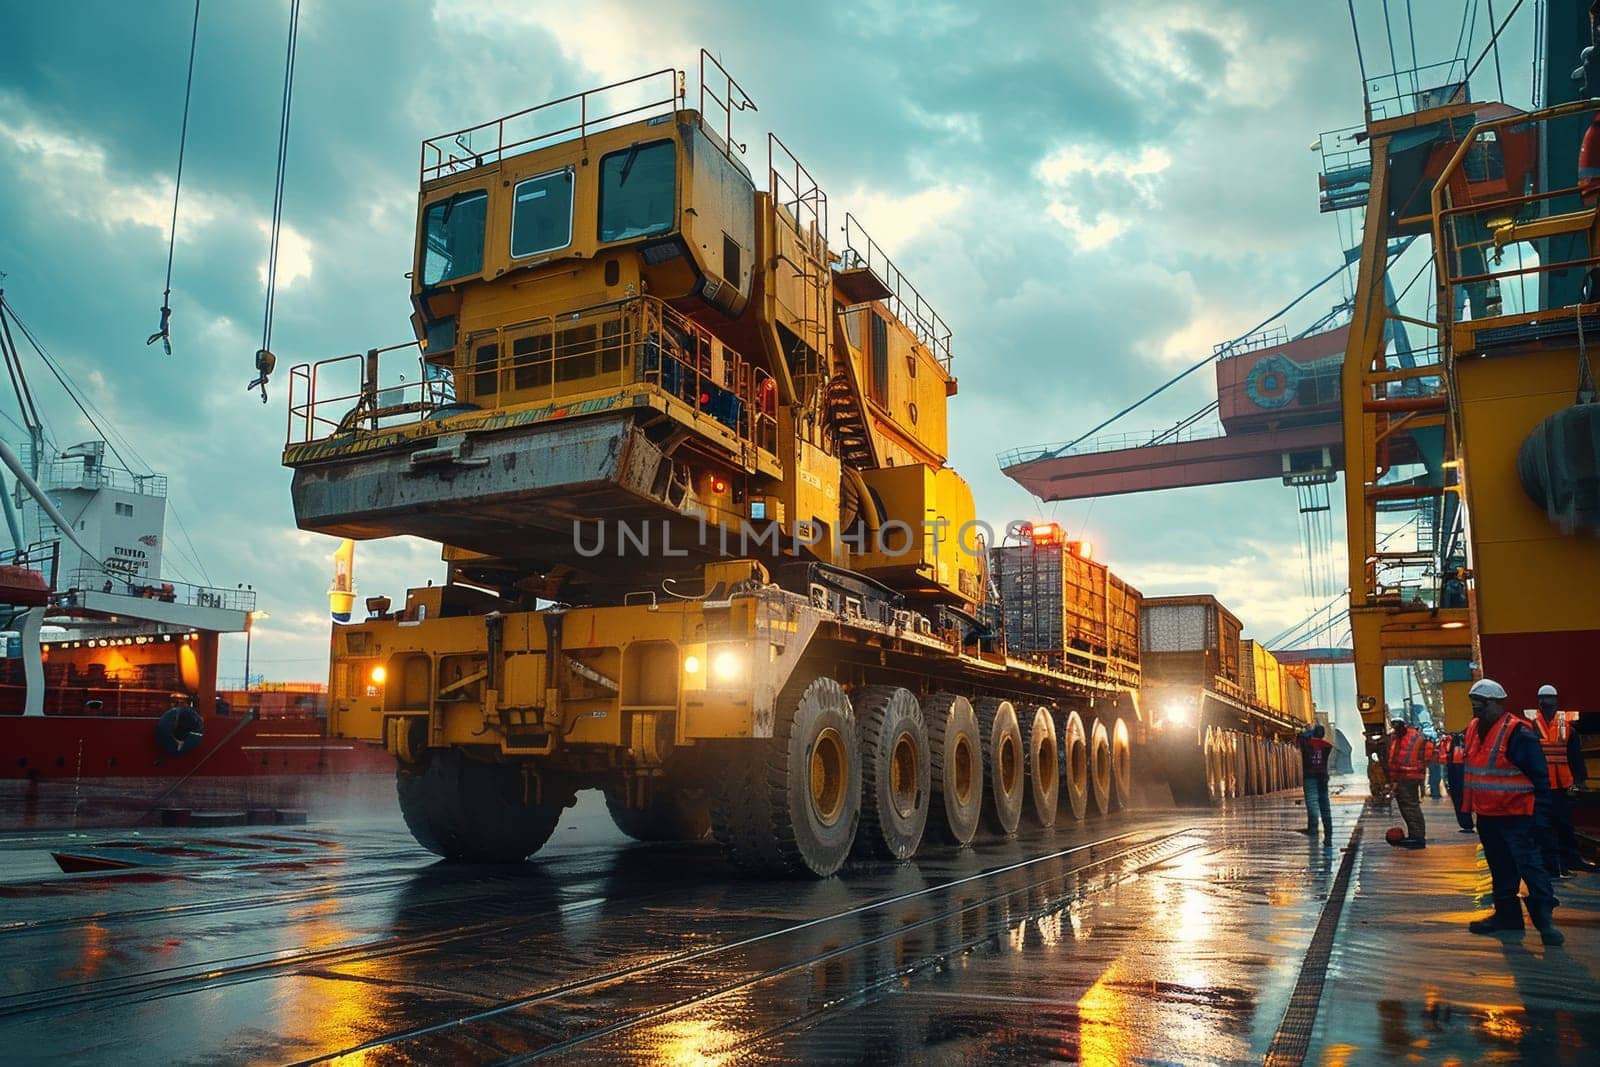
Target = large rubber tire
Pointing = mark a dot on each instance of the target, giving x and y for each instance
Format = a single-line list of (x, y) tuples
[(895, 773), (955, 758), (790, 805), (1100, 767), (474, 812), (1216, 779), (1121, 766), (1235, 763), (1252, 766), (1075, 765), (1005, 771), (1044, 765), (674, 815)]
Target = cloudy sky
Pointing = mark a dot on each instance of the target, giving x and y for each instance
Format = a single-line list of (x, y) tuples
[(1091, 193)]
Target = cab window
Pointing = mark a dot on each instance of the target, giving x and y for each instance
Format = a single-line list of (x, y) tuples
[(636, 191), (541, 214), (453, 237)]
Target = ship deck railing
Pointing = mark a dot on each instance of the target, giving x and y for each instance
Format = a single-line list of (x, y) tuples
[(41, 556), (96, 579), (553, 360)]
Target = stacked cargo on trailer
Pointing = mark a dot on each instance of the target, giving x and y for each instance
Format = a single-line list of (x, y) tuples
[(1063, 607), (1214, 703)]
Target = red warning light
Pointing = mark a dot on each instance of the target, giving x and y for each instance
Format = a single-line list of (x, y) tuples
[(719, 485)]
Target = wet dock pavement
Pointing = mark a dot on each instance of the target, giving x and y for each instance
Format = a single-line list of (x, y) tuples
[(1149, 937)]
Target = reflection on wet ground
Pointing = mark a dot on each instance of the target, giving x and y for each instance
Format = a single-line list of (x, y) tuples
[(1408, 982), (1152, 937)]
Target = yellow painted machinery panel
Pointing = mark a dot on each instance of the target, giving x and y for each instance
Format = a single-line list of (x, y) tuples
[(927, 539), (1529, 575)]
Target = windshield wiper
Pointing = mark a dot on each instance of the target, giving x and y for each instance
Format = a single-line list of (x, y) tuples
[(627, 164)]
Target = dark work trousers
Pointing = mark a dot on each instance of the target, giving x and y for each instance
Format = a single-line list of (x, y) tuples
[(1511, 848), (1408, 795), (1435, 773), (1557, 841), (1317, 801), (1455, 781)]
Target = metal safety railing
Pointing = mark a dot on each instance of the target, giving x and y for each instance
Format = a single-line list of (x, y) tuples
[(1406, 92), (1271, 337), (1494, 246), (727, 96), (41, 556), (906, 304), (365, 391), (105, 579), (581, 113), (564, 361), (1115, 442)]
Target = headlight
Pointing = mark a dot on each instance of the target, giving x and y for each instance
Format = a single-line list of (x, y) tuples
[(727, 665), (1177, 714), (378, 675), (691, 665)]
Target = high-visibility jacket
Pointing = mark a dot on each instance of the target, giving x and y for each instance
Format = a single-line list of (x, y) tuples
[(1408, 756), (1443, 750), (1553, 737), (1495, 785)]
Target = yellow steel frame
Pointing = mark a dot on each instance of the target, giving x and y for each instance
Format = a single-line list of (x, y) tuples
[(1383, 629)]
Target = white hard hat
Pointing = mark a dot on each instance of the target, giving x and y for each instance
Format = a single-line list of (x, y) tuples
[(1547, 690), (1488, 689)]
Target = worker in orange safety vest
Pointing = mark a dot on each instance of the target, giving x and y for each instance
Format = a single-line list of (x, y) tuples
[(1563, 754), (1507, 786), (1406, 760)]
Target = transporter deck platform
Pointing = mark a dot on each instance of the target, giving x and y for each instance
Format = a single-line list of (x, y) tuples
[(1149, 937)]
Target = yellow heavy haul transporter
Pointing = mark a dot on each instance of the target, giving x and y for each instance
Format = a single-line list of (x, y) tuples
[(704, 551)]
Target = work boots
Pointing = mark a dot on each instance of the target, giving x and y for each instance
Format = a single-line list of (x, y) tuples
[(1545, 923), (1506, 917)]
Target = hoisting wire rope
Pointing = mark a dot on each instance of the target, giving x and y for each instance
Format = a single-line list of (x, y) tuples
[(101, 425), (1206, 362), (265, 360), (1494, 42), (164, 333)]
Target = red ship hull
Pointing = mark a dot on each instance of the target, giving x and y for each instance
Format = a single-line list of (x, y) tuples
[(106, 770)]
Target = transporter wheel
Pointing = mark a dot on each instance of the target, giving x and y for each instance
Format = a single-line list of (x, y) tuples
[(1004, 763), (955, 759), (1215, 778), (1121, 766), (1252, 766), (673, 815), (789, 805), (1235, 765), (1100, 767), (1275, 769), (895, 777), (475, 812), (1075, 765), (1044, 765)]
